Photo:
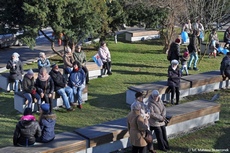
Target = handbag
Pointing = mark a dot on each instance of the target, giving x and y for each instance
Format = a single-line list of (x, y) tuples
[(148, 135)]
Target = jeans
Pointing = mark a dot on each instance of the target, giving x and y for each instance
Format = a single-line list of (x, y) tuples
[(16, 85), (161, 136), (193, 56), (77, 91), (66, 95), (184, 67), (29, 97), (84, 68)]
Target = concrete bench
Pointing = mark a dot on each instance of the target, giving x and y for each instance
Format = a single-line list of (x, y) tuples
[(19, 101), (113, 135), (190, 85), (63, 142), (105, 137), (141, 35)]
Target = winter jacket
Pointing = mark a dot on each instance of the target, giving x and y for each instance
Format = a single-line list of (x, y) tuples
[(46, 86), (26, 132), (68, 60), (104, 54), (192, 47), (43, 63), (47, 123), (58, 79), (136, 128), (174, 51), (80, 57), (227, 35), (225, 66), (16, 71), (157, 112), (77, 78), (28, 84), (174, 76)]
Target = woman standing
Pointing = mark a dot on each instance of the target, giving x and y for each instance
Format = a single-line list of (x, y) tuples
[(45, 86), (157, 118), (174, 75), (16, 70), (105, 56), (137, 129)]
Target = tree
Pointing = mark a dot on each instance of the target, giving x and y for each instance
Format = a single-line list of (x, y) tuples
[(75, 19)]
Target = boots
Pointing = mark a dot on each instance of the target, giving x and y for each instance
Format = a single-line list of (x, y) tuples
[(177, 98)]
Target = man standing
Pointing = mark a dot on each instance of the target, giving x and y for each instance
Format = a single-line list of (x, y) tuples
[(192, 47), (61, 88), (79, 55)]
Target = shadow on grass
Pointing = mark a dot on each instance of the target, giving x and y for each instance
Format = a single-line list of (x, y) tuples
[(221, 143), (139, 73), (137, 65)]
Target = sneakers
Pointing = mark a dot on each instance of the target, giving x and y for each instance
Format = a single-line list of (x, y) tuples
[(195, 68), (189, 68), (70, 109)]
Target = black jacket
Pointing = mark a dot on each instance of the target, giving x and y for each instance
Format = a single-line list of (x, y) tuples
[(174, 76), (192, 47), (26, 132), (45, 86), (16, 71), (27, 84), (225, 66), (58, 79), (174, 52)]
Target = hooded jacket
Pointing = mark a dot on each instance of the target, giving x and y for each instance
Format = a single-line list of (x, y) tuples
[(225, 66), (174, 76), (174, 51), (26, 132), (28, 84), (47, 123), (157, 112), (16, 71)]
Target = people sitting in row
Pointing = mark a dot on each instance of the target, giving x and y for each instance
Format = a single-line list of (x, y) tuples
[(28, 130), (61, 87)]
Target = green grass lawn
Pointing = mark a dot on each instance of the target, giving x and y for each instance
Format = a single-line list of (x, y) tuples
[(132, 64)]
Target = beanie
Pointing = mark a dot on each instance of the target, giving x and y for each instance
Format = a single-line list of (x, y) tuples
[(155, 93), (45, 108), (174, 62), (177, 40), (15, 54), (30, 72)]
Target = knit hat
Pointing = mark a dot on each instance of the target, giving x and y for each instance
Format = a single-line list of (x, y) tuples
[(45, 108), (136, 106), (27, 111), (177, 40), (15, 54), (54, 65), (186, 54), (30, 72), (155, 93), (174, 62), (138, 94)]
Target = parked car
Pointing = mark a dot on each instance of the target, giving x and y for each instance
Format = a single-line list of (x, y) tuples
[(7, 40)]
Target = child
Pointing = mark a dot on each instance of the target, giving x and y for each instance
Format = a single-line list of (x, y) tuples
[(184, 60)]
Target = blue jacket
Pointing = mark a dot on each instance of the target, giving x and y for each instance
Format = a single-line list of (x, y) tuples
[(47, 124), (77, 78)]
